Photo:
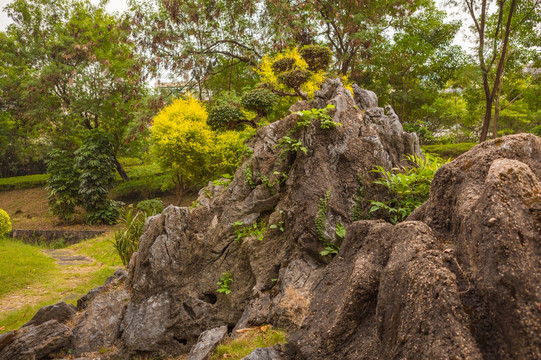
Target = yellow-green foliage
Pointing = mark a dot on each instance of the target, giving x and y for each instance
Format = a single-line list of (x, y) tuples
[(184, 144), (248, 342), (268, 75), (182, 141), (5, 223), (228, 151)]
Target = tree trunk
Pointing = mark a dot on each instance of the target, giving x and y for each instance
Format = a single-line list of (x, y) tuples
[(179, 189), (486, 121), (121, 171), (496, 114)]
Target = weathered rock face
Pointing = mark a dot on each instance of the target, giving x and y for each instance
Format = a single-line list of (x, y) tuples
[(184, 251), (34, 342), (487, 206), (461, 281), (465, 283)]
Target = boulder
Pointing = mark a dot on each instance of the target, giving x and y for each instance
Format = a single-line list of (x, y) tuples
[(35, 342), (486, 207), (263, 354), (60, 312), (207, 343), (99, 326)]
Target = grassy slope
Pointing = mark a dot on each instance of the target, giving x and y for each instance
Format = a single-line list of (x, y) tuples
[(448, 150), (35, 280)]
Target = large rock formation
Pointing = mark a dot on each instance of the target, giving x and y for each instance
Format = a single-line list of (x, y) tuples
[(460, 281)]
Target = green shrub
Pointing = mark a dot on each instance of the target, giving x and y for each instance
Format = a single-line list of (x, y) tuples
[(537, 130), (316, 56), (62, 185), (94, 161), (150, 207), (294, 78), (284, 64), (410, 187), (23, 182), (260, 100), (126, 241), (224, 116), (5, 223)]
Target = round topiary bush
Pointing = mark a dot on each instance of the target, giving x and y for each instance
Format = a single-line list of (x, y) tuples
[(316, 56), (294, 78), (283, 64), (259, 100), (5, 223), (224, 116)]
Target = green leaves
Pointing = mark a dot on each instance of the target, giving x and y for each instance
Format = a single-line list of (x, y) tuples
[(306, 117), (226, 280), (94, 161), (410, 186)]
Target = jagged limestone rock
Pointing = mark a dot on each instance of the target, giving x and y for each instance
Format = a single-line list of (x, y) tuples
[(461, 281)]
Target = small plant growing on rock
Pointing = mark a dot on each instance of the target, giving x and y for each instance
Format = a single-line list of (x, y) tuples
[(280, 225), (257, 230), (5, 223), (410, 186), (321, 217), (359, 203), (289, 144), (320, 222), (317, 114), (249, 175), (225, 282)]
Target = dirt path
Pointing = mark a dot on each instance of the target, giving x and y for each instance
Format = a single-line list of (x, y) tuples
[(72, 270)]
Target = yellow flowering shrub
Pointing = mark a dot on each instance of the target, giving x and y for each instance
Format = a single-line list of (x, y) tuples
[(184, 144)]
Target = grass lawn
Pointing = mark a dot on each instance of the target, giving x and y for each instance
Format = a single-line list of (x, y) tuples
[(446, 151), (23, 182), (30, 279), (234, 349)]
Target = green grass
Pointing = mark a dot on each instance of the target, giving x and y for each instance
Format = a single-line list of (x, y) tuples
[(99, 248), (22, 265), (142, 188), (446, 151), (29, 275), (234, 349), (23, 182)]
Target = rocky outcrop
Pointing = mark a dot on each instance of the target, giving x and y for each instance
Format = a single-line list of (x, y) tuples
[(486, 206), (207, 343), (34, 342), (184, 251), (463, 283), (460, 280)]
